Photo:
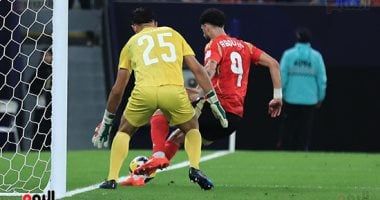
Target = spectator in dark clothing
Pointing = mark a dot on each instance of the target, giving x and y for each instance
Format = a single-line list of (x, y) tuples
[(40, 86), (41, 81)]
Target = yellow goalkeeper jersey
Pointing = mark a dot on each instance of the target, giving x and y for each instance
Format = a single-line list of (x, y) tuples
[(156, 56)]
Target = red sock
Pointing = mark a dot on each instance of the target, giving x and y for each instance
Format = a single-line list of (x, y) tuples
[(159, 130), (170, 149)]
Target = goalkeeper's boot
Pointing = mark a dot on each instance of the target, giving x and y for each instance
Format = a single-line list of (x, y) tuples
[(197, 176), (152, 165), (111, 184), (133, 180)]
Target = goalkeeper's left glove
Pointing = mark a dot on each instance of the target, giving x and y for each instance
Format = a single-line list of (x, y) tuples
[(199, 106), (216, 108), (102, 131)]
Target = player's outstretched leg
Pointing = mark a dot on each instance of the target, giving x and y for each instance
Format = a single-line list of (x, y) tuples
[(173, 143), (159, 132), (152, 165), (197, 176)]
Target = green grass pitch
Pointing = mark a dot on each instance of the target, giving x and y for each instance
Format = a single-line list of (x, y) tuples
[(241, 175)]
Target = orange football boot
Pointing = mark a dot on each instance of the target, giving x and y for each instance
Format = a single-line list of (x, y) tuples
[(152, 165), (133, 180)]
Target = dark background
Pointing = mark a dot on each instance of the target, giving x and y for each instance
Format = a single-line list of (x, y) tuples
[(348, 39)]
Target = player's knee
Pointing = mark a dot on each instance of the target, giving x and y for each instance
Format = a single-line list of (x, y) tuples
[(126, 127), (124, 132), (191, 124), (178, 138)]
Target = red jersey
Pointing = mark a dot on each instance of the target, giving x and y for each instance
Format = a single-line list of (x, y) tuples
[(234, 58)]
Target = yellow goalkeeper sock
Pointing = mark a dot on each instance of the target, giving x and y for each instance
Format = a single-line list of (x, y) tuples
[(119, 152), (193, 145)]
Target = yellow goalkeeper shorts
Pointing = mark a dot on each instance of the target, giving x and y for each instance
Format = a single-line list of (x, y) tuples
[(171, 99)]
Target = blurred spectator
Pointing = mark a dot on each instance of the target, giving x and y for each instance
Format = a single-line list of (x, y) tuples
[(41, 83), (304, 81)]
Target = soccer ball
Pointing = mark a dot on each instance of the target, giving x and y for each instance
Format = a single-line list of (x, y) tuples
[(137, 162)]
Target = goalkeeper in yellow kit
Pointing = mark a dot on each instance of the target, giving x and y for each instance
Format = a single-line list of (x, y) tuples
[(156, 55)]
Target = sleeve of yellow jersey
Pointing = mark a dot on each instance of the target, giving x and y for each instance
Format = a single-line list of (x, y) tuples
[(124, 59), (186, 49)]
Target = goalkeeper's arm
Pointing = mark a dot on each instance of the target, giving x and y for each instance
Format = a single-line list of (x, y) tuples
[(205, 83), (117, 91), (101, 135), (199, 73)]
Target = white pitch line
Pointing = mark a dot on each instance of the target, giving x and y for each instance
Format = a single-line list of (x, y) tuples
[(203, 159), (13, 194), (313, 187), (172, 167)]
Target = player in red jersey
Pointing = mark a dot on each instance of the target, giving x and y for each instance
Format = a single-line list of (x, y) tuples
[(228, 61)]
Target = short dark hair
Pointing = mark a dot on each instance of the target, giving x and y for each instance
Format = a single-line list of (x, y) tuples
[(142, 15), (213, 16), (303, 35)]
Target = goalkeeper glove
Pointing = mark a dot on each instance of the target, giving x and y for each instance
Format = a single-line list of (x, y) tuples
[(198, 107), (216, 108), (102, 131)]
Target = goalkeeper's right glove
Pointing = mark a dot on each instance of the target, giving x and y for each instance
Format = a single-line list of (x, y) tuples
[(216, 108), (102, 131)]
